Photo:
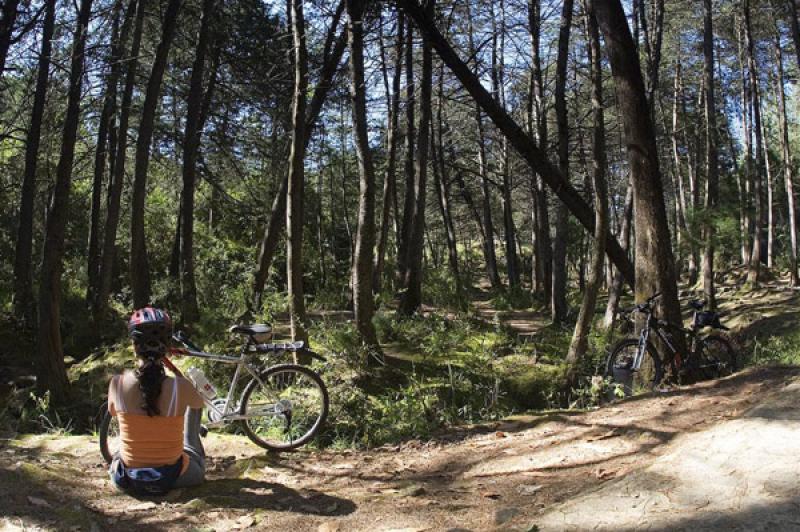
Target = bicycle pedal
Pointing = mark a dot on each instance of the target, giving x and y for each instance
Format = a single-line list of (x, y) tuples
[(203, 431)]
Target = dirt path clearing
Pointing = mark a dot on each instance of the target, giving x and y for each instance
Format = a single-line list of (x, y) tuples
[(720, 454)]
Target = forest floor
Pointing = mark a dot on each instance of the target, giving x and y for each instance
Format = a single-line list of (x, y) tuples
[(718, 455)]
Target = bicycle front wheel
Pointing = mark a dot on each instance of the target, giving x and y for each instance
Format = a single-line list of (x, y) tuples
[(717, 356), (284, 407), (108, 433), (625, 378)]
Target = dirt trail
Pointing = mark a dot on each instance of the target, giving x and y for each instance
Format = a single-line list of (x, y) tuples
[(718, 454)]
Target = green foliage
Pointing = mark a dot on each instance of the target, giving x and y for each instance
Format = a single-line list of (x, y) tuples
[(783, 349)]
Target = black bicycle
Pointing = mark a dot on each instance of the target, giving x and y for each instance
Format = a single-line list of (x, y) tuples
[(634, 365), (281, 408)]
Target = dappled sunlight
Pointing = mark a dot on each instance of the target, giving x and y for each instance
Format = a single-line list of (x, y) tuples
[(719, 475)]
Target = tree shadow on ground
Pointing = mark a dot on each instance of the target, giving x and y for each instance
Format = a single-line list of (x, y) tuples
[(250, 494)]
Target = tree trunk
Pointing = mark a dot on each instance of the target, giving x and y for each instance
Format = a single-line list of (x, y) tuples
[(489, 253), (558, 303), (744, 189), (769, 193), (411, 298), (118, 176), (139, 263), (277, 219), (24, 308), (580, 338), (615, 290), (51, 372), (795, 27), (712, 165), (191, 146), (408, 196), (9, 17), (441, 185), (294, 192), (654, 261), (525, 146), (757, 255), (363, 301), (101, 153), (390, 180), (787, 162), (498, 79), (544, 246)]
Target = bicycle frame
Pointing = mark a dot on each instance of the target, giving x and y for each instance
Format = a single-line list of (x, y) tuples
[(228, 412), (661, 329)]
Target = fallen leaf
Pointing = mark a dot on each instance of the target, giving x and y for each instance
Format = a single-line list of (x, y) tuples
[(328, 527), (500, 434), (490, 494)]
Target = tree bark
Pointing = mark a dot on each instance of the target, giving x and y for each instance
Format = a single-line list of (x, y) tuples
[(277, 219), (118, 175), (51, 372), (787, 162), (580, 338), (24, 307), (139, 263), (757, 255), (363, 301), (191, 146), (390, 180), (558, 303), (294, 192), (408, 196), (654, 261), (411, 298), (712, 164), (522, 142)]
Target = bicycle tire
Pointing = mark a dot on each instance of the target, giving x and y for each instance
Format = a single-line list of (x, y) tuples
[(272, 444), (103, 433), (722, 367), (643, 380)]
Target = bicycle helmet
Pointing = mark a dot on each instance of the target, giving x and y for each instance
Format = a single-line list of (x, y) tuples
[(150, 329)]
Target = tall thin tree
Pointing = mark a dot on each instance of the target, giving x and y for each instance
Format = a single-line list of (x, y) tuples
[(296, 181), (51, 372), (712, 165), (363, 301), (139, 262), (23, 267)]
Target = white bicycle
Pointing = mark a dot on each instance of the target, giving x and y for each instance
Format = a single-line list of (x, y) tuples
[(281, 408)]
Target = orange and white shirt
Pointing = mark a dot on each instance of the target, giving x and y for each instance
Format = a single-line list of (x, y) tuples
[(151, 441)]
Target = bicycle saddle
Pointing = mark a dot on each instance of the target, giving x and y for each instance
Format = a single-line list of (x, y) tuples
[(251, 330)]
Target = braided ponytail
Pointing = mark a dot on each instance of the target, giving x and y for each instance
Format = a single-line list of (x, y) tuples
[(150, 375)]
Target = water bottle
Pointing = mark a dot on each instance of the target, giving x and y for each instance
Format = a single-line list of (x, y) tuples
[(201, 382)]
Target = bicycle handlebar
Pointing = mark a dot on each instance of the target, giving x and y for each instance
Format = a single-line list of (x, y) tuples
[(642, 307)]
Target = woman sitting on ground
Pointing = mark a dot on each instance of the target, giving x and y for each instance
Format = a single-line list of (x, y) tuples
[(160, 447)]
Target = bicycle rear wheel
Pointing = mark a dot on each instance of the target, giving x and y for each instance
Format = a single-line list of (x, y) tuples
[(626, 380), (286, 407), (108, 432), (717, 356)]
